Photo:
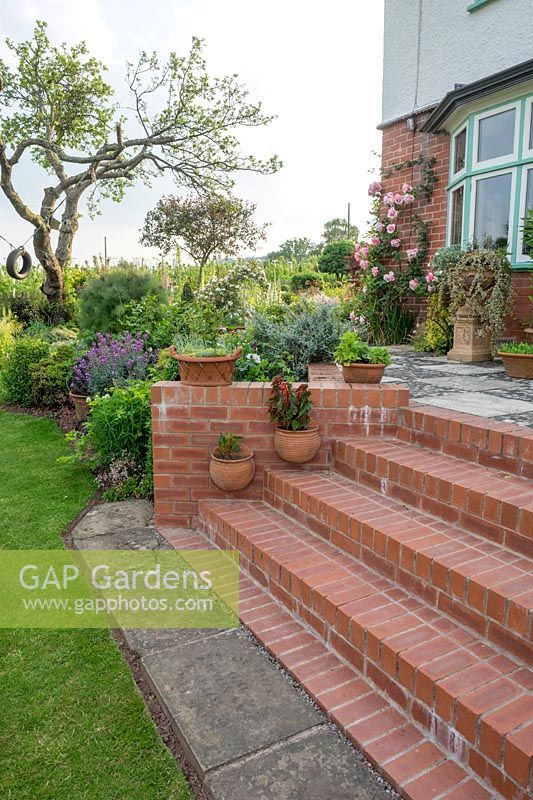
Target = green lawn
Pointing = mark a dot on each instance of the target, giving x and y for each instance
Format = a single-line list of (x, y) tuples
[(71, 722)]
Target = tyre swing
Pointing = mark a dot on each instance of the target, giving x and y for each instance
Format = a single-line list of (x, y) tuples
[(18, 273)]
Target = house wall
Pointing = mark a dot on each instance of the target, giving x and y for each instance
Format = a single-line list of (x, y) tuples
[(400, 145), (456, 46)]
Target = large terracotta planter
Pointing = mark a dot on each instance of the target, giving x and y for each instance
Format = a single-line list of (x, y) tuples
[(81, 408), (363, 373), (297, 447), (232, 475), (206, 370), (518, 365)]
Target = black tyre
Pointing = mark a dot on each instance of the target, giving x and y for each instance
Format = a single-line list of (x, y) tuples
[(12, 264)]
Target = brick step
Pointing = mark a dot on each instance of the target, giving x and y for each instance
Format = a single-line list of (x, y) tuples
[(478, 583), (503, 445), (484, 501), (468, 694), (400, 749)]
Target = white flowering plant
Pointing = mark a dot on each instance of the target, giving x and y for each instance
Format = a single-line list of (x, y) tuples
[(228, 294)]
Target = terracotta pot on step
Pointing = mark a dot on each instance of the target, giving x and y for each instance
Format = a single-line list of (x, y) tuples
[(297, 447), (232, 474), (81, 409), (206, 370), (363, 373)]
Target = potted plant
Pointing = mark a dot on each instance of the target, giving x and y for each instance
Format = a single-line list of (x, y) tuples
[(478, 285), (296, 437), (232, 465), (517, 360), (205, 358), (360, 362)]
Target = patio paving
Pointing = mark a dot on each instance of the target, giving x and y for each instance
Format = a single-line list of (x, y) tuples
[(482, 389)]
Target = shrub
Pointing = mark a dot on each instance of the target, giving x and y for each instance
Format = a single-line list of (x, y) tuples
[(308, 333), (16, 378), (9, 329), (159, 321), (300, 281), (51, 377), (103, 301), (112, 362), (435, 335), (335, 257), (119, 425), (228, 294)]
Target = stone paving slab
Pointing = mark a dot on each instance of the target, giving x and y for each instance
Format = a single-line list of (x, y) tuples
[(316, 766), (109, 518), (226, 698), (481, 403), (146, 641)]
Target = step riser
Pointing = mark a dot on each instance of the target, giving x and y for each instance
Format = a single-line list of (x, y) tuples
[(503, 523), (443, 588), (502, 446), (378, 657)]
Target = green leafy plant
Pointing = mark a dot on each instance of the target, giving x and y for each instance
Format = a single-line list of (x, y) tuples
[(10, 328), (435, 334), (289, 408), (352, 350), (229, 447), (335, 257), (51, 377), (103, 301), (481, 281), (302, 281), (16, 381), (158, 320), (520, 348)]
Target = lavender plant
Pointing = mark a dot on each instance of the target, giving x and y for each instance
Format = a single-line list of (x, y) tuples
[(113, 361)]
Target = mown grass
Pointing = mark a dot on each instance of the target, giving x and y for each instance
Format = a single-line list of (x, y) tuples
[(72, 724)]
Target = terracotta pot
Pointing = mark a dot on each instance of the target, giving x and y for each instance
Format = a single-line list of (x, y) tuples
[(297, 447), (232, 475), (206, 370), (363, 373), (81, 409), (518, 365)]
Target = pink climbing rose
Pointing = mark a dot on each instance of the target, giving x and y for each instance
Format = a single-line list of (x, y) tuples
[(407, 188), (389, 277), (379, 226), (411, 254), (431, 278), (375, 271), (413, 284), (375, 240), (392, 213), (391, 227), (374, 188), (395, 243)]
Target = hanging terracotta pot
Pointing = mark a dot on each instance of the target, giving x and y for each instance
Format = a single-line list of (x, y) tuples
[(233, 474)]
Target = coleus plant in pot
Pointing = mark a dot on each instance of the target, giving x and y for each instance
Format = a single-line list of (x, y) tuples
[(360, 362), (232, 465), (296, 436)]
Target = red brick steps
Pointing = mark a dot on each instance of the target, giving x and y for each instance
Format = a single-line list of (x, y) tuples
[(492, 504), (477, 582), (400, 750), (465, 692)]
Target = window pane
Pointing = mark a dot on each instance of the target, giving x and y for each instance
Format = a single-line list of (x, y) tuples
[(496, 135), (493, 200), (459, 151), (456, 236), (529, 204), (531, 130)]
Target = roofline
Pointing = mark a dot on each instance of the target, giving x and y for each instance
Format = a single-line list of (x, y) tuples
[(413, 113), (471, 91)]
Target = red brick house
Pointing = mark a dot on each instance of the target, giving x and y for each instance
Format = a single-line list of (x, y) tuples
[(458, 91)]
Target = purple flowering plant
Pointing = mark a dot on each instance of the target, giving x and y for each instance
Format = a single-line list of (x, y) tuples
[(112, 361)]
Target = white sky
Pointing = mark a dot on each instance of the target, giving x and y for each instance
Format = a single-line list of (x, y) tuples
[(316, 65)]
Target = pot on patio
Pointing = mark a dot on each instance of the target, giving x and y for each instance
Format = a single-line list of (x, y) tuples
[(235, 473), (363, 373), (297, 447), (206, 370), (518, 365), (81, 408)]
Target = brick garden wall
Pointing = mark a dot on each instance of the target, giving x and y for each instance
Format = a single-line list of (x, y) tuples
[(187, 421), (400, 145)]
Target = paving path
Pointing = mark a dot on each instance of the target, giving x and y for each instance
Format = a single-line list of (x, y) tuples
[(246, 728)]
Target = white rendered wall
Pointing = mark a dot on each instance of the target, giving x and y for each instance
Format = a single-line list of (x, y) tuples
[(456, 46)]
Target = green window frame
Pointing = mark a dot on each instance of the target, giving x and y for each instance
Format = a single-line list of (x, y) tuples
[(477, 4), (518, 163)]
